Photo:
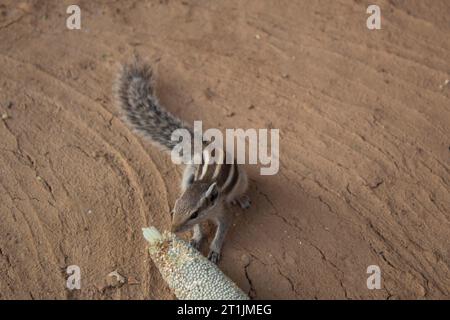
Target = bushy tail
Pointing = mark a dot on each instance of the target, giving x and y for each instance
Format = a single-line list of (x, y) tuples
[(142, 109)]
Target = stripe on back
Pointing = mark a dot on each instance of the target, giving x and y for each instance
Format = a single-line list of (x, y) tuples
[(226, 175)]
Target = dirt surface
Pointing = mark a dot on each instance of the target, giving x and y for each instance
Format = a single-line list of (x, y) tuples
[(364, 119)]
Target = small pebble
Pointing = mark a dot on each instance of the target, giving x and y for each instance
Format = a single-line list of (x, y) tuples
[(5, 116), (446, 82), (115, 279), (258, 36), (132, 281), (245, 259)]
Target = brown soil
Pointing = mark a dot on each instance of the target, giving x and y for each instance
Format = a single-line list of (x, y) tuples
[(364, 123)]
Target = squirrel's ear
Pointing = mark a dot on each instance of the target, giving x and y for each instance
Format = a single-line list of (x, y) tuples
[(212, 193)]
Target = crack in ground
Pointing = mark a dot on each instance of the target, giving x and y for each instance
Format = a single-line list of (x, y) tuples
[(291, 283), (6, 25), (251, 292)]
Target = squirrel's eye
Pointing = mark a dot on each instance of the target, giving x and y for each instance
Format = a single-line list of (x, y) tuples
[(194, 214)]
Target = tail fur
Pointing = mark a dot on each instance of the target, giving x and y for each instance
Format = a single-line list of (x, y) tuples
[(142, 109)]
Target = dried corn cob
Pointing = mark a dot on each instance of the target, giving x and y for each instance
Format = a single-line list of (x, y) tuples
[(187, 272)]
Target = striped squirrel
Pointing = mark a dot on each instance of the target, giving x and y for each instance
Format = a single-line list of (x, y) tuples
[(207, 189)]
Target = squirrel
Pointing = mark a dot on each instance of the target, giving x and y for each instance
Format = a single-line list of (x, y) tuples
[(208, 189)]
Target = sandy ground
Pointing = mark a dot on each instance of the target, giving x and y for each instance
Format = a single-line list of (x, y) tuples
[(364, 119)]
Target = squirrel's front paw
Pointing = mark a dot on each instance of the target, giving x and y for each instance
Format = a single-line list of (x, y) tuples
[(214, 256)]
